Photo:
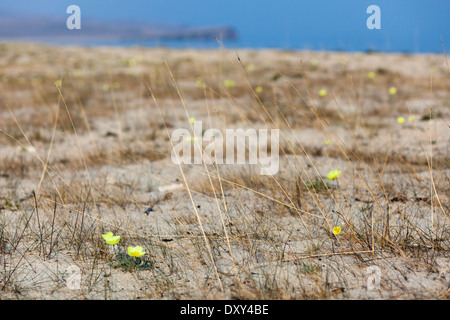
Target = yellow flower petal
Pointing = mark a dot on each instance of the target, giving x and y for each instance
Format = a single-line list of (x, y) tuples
[(229, 83), (333, 174), (111, 239), (336, 230), (392, 91), (115, 240), (191, 139), (136, 251), (199, 82)]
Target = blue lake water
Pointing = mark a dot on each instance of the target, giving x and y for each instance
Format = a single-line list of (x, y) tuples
[(413, 26)]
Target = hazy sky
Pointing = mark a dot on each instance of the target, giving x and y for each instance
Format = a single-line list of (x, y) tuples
[(406, 25)]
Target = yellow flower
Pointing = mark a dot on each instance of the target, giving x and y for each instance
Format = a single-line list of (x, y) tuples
[(323, 92), (229, 83), (78, 73), (136, 251), (111, 239), (58, 83), (105, 87), (258, 89), (199, 83), (337, 230), (191, 139), (371, 75), (327, 142), (333, 174), (400, 120), (251, 67), (392, 91), (191, 120), (411, 118)]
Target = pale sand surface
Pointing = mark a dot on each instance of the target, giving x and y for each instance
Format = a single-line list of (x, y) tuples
[(261, 237)]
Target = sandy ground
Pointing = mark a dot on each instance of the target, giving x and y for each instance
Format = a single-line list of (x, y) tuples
[(84, 150)]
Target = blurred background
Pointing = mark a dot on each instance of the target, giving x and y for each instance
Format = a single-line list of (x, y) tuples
[(406, 25)]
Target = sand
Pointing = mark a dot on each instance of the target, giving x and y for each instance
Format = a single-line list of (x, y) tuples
[(95, 151)]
